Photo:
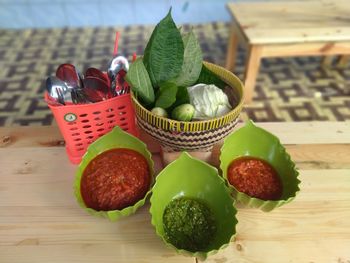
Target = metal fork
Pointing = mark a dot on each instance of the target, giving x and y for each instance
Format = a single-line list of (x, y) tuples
[(60, 96), (78, 97)]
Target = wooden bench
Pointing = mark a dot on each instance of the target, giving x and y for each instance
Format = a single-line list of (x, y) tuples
[(273, 29)]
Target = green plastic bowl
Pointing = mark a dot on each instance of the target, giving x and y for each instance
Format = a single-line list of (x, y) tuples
[(253, 141), (193, 178), (116, 138)]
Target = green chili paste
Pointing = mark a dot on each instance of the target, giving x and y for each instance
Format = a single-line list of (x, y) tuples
[(189, 224)]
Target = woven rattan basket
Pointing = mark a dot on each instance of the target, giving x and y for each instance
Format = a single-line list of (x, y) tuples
[(196, 135)]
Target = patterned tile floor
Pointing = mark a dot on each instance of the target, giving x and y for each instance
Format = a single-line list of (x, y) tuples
[(288, 89)]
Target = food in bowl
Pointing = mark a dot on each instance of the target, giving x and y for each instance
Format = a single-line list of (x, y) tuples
[(189, 224), (256, 142), (255, 177), (189, 181), (115, 179)]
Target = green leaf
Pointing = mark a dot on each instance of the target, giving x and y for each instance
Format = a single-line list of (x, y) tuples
[(164, 52), (166, 95), (192, 63), (182, 96), (140, 82), (208, 77)]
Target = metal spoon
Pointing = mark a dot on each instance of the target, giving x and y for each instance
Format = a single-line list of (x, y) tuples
[(117, 64), (69, 74), (96, 89), (122, 87), (94, 72)]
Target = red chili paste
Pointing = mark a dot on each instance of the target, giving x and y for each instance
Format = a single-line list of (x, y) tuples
[(115, 179), (255, 177)]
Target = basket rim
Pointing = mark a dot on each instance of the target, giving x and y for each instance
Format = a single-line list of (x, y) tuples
[(200, 122), (85, 105)]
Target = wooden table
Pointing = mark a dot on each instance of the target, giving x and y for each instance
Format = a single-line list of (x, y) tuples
[(301, 28), (40, 220)]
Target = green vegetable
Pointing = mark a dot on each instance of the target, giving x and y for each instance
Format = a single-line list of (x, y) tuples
[(183, 112), (182, 96), (209, 101), (160, 112), (192, 63), (189, 224), (164, 52), (138, 78), (166, 95), (170, 64), (208, 77)]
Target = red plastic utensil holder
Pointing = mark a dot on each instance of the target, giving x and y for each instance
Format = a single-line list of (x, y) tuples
[(82, 124)]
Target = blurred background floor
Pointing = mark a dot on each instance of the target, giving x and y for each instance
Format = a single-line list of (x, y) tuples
[(288, 89)]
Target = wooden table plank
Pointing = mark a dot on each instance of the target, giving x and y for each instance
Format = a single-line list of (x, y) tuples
[(288, 132), (111, 252), (306, 156), (308, 49), (27, 171), (315, 227), (40, 220), (293, 21), (320, 251)]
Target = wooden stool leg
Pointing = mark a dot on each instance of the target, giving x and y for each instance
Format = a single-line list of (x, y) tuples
[(251, 71), (343, 61), (326, 61), (231, 50)]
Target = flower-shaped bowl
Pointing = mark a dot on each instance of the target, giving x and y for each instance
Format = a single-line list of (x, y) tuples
[(254, 141), (117, 138), (192, 178)]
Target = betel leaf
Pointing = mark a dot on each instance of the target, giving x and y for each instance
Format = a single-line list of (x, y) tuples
[(164, 52), (166, 95), (192, 63), (208, 77), (182, 96), (140, 82)]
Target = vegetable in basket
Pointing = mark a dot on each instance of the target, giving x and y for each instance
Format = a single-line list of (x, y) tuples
[(183, 112), (209, 101), (172, 62)]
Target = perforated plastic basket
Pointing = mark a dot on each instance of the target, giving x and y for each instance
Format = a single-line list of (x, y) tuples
[(80, 125)]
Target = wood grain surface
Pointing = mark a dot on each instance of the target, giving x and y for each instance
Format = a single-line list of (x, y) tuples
[(293, 21), (40, 220)]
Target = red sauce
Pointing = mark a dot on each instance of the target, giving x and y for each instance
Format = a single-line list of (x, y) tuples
[(255, 177), (115, 179)]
